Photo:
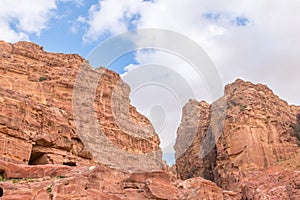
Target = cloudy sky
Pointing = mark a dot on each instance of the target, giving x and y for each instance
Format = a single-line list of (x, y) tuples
[(256, 41)]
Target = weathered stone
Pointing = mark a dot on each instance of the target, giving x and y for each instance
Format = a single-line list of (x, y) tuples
[(280, 181), (9, 170), (194, 126), (100, 182), (37, 125), (257, 133)]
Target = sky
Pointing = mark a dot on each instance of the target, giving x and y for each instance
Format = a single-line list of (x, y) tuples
[(256, 41)]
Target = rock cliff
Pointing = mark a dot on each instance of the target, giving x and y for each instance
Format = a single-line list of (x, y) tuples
[(68, 131), (258, 131), (37, 124)]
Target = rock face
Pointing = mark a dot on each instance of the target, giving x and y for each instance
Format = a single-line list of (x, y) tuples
[(68, 131), (37, 125), (257, 133), (100, 182), (55, 110), (194, 127), (112, 129), (280, 181)]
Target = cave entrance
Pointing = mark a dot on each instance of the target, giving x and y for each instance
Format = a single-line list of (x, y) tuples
[(1, 174), (38, 158), (72, 164), (42, 158), (1, 192)]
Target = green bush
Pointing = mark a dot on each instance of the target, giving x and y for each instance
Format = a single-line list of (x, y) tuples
[(42, 79), (49, 190), (242, 107)]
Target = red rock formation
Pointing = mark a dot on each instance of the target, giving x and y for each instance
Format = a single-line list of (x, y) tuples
[(35, 112), (37, 125), (257, 133), (280, 181), (100, 182), (56, 110), (12, 171), (194, 126)]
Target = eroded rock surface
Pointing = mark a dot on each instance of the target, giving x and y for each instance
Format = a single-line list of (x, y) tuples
[(100, 182), (280, 181), (37, 125), (257, 133), (45, 125), (194, 127)]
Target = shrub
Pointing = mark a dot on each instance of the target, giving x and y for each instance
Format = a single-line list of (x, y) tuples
[(42, 79), (49, 190), (16, 180), (242, 107)]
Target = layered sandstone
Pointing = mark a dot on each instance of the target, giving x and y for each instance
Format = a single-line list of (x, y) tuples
[(56, 110), (37, 122), (280, 181), (257, 132), (99, 182), (194, 127)]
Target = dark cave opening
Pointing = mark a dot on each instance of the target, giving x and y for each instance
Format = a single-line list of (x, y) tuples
[(72, 164), (38, 158), (1, 192)]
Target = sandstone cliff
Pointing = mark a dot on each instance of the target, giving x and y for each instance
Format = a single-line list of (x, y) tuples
[(257, 132), (67, 131), (37, 125)]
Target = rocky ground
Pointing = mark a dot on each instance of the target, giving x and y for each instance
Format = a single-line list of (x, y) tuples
[(100, 182)]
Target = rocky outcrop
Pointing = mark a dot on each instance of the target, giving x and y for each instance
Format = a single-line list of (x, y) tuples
[(100, 182), (280, 181), (257, 133), (55, 110), (9, 170), (194, 127), (37, 125), (112, 129)]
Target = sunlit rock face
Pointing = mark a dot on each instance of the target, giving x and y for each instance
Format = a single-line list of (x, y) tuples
[(37, 122), (53, 115), (257, 133)]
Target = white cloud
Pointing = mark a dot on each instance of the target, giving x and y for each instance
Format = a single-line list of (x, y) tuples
[(165, 81), (265, 50), (19, 18), (256, 41), (111, 16)]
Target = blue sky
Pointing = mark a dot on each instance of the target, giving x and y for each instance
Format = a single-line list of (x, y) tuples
[(64, 33), (59, 36), (255, 41)]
